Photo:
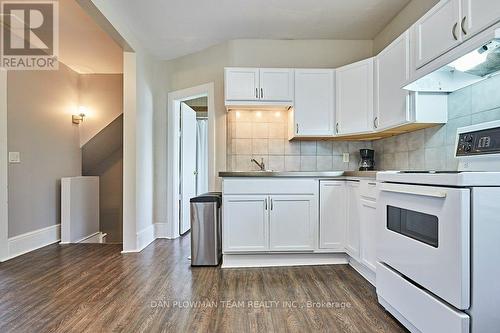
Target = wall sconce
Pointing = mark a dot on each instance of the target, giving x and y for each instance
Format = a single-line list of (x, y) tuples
[(78, 118)]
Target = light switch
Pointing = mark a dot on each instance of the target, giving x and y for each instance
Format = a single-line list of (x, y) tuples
[(345, 157), (14, 157)]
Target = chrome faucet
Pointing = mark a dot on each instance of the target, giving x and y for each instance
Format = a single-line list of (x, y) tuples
[(261, 165)]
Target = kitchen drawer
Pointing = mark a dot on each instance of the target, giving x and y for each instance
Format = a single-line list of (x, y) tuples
[(270, 186), (368, 189), (424, 311)]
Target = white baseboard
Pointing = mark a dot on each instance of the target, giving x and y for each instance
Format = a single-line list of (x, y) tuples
[(282, 259), (365, 272), (33, 240), (97, 237), (161, 230), (145, 237)]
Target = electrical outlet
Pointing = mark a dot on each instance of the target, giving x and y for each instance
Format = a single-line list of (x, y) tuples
[(14, 157), (345, 157)]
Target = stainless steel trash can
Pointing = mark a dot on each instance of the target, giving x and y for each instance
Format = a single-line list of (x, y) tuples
[(206, 233)]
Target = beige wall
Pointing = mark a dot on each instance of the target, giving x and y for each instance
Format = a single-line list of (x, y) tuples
[(40, 104), (406, 17), (102, 97)]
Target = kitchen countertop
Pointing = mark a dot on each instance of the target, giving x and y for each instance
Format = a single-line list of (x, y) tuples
[(298, 174)]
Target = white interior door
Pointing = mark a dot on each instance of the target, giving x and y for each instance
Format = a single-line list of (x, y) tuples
[(188, 165)]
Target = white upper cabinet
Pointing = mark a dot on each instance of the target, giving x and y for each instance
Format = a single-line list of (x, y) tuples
[(392, 68), (437, 31), (478, 15), (291, 222), (314, 104), (276, 84), (354, 87), (254, 85), (241, 84), (332, 215)]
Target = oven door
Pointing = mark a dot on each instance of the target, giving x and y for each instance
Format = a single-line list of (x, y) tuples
[(424, 234)]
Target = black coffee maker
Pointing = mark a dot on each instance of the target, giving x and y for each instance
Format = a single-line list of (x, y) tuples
[(367, 162)]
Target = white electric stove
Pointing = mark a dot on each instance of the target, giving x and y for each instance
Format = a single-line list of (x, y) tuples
[(439, 240)]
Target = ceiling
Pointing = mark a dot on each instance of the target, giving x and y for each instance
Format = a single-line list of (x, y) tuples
[(173, 28), (83, 46)]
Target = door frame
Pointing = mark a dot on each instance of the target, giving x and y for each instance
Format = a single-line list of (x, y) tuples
[(174, 100), (4, 212)]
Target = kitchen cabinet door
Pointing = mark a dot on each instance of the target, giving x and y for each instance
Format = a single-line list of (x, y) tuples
[(291, 222), (245, 223), (392, 70), (314, 104), (368, 233), (276, 84), (478, 15), (354, 84), (437, 31), (332, 215), (353, 219), (241, 84)]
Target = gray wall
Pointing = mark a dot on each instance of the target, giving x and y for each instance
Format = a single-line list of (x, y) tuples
[(433, 148), (40, 104), (102, 156)]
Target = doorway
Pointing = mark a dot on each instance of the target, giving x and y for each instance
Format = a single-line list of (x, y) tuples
[(193, 101), (193, 168)]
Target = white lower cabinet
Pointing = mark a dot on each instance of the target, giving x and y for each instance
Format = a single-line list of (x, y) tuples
[(270, 222), (353, 219), (332, 215), (306, 215), (368, 231), (291, 222), (248, 230)]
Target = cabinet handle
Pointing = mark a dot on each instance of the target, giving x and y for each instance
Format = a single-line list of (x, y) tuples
[(462, 25), (266, 205), (261, 93), (297, 125), (337, 128), (375, 121), (272, 204), (454, 31), (372, 184), (256, 93)]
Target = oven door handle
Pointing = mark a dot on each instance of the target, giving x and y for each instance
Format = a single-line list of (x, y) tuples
[(414, 190)]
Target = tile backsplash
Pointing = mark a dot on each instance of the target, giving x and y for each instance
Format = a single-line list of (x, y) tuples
[(263, 135), (433, 148)]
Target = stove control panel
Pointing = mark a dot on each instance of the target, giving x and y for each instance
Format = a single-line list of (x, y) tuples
[(481, 142)]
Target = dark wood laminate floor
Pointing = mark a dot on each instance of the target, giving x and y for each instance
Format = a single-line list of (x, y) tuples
[(93, 288)]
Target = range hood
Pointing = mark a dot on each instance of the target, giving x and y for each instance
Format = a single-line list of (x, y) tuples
[(471, 66)]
